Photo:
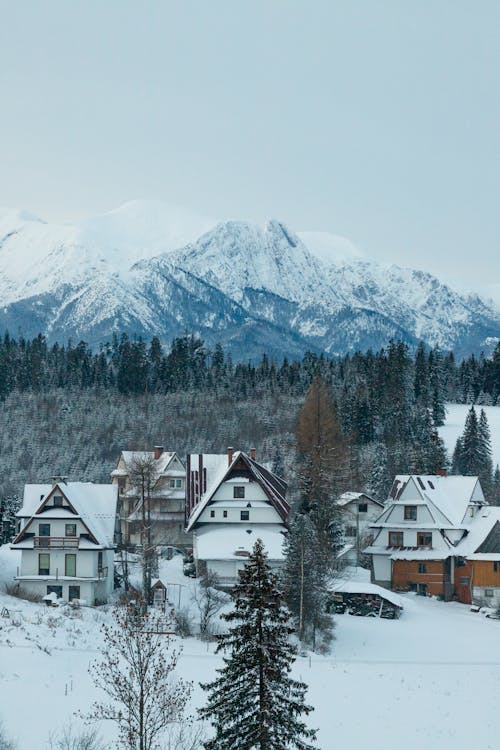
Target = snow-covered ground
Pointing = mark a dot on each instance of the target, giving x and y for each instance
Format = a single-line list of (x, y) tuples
[(455, 422), (428, 679)]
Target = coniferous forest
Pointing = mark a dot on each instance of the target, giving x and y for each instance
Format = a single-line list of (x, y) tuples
[(70, 410)]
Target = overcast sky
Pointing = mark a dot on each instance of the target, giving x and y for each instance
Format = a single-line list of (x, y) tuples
[(378, 120)]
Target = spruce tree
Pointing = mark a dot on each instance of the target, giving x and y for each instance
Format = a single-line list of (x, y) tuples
[(254, 704), (305, 582), (485, 469)]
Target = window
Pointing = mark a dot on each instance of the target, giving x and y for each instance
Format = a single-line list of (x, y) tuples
[(471, 511), (244, 515), (212, 514), (410, 513), (178, 483), (171, 483), (224, 513), (70, 565), (422, 568), (73, 593), (55, 590), (463, 581), (44, 534), (488, 592), (70, 529), (99, 560), (496, 566), (424, 539), (44, 564), (58, 501), (363, 508), (350, 531), (395, 538), (238, 492)]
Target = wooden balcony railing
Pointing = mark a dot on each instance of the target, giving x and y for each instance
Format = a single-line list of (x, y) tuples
[(56, 542)]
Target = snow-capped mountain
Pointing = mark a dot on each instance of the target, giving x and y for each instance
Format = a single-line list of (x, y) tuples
[(149, 269)]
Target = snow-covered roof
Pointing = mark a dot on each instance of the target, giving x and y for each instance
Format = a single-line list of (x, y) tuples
[(349, 497), (224, 542), (451, 495), (360, 587), (127, 459), (218, 469), (478, 529), (95, 504)]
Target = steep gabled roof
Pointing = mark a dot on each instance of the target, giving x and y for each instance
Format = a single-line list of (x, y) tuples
[(450, 495), (93, 504), (128, 457), (273, 486)]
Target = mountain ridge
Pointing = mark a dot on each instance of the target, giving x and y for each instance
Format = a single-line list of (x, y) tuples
[(249, 287)]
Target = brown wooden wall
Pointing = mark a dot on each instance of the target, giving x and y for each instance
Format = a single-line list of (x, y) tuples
[(484, 573), (405, 572)]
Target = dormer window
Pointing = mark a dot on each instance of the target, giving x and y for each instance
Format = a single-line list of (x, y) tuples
[(58, 501), (238, 492), (410, 513)]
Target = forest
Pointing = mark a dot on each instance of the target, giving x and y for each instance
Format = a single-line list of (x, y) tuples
[(70, 410)]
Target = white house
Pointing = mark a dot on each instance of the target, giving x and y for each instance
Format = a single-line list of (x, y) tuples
[(166, 511), (66, 538), (232, 501), (359, 510), (437, 535)]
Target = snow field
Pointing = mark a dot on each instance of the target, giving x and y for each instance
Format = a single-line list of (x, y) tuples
[(455, 423), (430, 678)]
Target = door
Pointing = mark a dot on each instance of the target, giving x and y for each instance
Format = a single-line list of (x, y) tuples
[(73, 593), (422, 589)]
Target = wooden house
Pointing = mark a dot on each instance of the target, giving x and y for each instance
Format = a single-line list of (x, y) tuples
[(437, 536)]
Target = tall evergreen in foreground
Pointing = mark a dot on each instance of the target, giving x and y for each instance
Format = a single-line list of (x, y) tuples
[(254, 704)]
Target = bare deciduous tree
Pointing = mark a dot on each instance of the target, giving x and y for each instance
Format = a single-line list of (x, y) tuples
[(143, 474), (68, 739), (208, 599), (136, 671)]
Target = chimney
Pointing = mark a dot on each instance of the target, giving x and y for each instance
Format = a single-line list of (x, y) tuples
[(158, 449), (230, 452), (252, 454), (441, 472)]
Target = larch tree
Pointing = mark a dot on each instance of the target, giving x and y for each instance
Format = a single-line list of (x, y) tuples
[(322, 457), (254, 704), (136, 672)]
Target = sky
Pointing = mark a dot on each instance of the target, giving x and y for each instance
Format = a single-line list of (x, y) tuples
[(377, 121)]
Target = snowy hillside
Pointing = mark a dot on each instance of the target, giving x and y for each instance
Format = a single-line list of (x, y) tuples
[(45, 654), (151, 269), (455, 422)]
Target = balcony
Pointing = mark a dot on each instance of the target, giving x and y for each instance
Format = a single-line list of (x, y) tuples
[(56, 542)]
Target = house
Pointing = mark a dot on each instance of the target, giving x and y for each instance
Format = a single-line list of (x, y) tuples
[(232, 501), (359, 510), (437, 535), (66, 538), (166, 504)]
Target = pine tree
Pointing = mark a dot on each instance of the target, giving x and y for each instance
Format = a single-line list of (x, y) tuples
[(254, 704)]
